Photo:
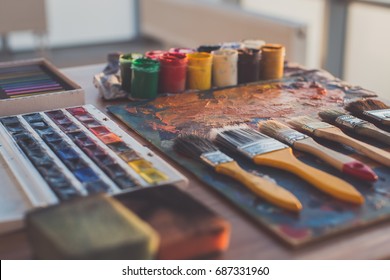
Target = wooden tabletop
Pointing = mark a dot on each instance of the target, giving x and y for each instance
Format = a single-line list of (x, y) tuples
[(248, 239)]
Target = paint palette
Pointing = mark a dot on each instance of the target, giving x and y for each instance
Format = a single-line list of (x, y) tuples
[(35, 85), (61, 154)]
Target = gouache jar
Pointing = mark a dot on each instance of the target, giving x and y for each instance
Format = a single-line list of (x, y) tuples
[(272, 62), (173, 71), (248, 65), (145, 73), (125, 61), (199, 70), (225, 68), (155, 54), (181, 50), (208, 48)]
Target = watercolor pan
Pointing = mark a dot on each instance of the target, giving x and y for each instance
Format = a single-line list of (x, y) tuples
[(53, 163), (35, 85)]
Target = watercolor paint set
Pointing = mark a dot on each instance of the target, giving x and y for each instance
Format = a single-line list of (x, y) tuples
[(61, 154), (35, 85)]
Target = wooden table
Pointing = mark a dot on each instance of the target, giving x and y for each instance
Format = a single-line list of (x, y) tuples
[(248, 239)]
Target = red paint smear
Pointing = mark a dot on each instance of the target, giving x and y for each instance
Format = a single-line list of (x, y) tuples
[(297, 233)]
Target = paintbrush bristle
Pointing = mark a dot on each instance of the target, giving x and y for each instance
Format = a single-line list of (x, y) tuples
[(330, 115), (232, 137), (193, 146), (299, 122), (273, 128), (359, 106)]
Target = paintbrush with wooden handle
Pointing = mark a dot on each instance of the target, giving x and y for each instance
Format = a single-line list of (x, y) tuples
[(351, 123), (330, 132), (304, 143), (204, 150), (264, 150), (370, 109)]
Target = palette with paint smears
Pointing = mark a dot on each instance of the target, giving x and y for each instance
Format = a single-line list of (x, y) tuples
[(61, 154)]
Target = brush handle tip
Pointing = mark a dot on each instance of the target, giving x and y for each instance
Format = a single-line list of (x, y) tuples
[(359, 170)]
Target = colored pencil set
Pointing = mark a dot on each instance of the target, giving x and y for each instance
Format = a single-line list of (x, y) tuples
[(180, 69), (270, 146), (27, 80)]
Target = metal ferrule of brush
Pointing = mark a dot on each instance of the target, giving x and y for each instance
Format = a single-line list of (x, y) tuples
[(215, 158), (349, 121), (311, 127), (291, 136), (379, 115), (261, 147)]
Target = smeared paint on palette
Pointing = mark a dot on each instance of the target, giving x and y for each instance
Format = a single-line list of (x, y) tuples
[(61, 154), (303, 93)]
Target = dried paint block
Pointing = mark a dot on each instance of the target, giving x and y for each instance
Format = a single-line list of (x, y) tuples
[(96, 227), (187, 228)]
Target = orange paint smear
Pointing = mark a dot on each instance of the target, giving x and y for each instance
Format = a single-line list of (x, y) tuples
[(198, 112)]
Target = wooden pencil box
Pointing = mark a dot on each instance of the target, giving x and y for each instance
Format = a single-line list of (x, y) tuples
[(35, 85)]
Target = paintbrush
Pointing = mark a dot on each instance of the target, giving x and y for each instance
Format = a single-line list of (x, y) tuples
[(305, 143), (370, 109), (356, 125), (203, 149), (264, 150), (330, 132)]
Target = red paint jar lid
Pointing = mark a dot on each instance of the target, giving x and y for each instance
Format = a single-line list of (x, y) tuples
[(173, 59), (156, 54)]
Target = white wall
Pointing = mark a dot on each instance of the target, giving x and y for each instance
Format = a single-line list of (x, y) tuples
[(310, 12), (367, 53), (78, 22)]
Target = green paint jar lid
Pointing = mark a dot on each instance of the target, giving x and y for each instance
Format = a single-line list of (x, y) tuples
[(146, 64), (129, 57)]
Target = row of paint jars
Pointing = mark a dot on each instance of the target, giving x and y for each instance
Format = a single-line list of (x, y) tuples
[(176, 70)]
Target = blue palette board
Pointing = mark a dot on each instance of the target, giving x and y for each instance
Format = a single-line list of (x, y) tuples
[(62, 154)]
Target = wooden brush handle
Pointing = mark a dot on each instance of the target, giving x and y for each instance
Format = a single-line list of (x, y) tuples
[(331, 157), (374, 133), (284, 159), (335, 134), (262, 187)]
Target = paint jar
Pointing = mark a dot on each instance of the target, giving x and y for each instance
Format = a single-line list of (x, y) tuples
[(225, 68), (156, 54), (182, 50), (208, 48), (199, 70), (232, 45), (248, 65), (272, 61), (125, 62), (253, 44), (145, 78), (173, 71)]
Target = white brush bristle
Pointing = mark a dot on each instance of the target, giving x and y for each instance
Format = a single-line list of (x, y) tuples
[(215, 131)]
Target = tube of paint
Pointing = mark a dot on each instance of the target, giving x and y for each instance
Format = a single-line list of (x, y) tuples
[(125, 62), (144, 82), (182, 50), (199, 70), (225, 67), (253, 44), (173, 71), (248, 65), (208, 48), (156, 54), (272, 61)]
